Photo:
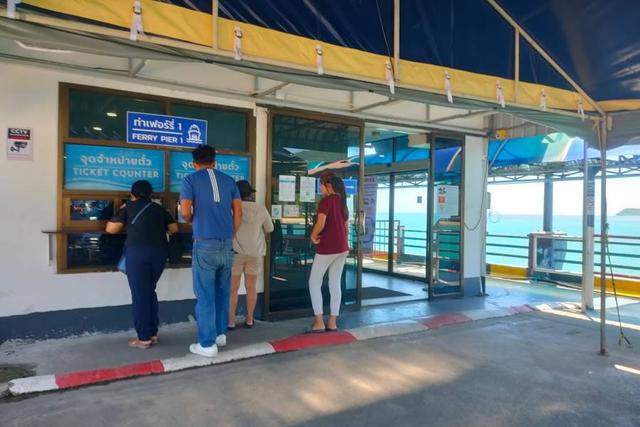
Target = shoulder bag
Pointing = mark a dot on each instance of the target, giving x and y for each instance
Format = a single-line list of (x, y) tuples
[(122, 264)]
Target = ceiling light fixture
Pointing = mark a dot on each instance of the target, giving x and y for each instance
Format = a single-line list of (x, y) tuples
[(112, 114), (97, 128)]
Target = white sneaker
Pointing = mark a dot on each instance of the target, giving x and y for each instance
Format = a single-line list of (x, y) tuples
[(204, 351), (221, 340)]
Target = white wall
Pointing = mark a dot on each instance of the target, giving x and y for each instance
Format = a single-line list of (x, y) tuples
[(29, 98), (475, 204)]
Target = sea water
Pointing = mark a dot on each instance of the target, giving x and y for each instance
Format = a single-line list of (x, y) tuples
[(625, 254)]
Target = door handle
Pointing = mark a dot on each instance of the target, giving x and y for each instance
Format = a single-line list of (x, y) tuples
[(361, 226)]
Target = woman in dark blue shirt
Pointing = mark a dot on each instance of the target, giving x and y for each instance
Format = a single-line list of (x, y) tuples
[(146, 249)]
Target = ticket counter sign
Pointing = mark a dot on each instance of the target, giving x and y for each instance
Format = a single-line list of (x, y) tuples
[(170, 131), (90, 167), (237, 167)]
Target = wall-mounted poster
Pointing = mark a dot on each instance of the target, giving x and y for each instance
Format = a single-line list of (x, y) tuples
[(369, 206), (92, 167), (307, 189), (238, 167), (287, 188), (291, 211), (447, 201)]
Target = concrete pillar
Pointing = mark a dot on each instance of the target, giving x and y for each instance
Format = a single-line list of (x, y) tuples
[(475, 214)]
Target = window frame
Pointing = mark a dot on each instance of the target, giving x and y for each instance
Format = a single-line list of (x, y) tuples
[(66, 226)]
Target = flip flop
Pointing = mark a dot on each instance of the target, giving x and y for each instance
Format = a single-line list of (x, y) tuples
[(248, 325), (231, 327), (136, 343), (314, 331), (331, 330)]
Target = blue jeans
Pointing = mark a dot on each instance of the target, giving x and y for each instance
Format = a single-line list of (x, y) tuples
[(144, 268), (212, 260)]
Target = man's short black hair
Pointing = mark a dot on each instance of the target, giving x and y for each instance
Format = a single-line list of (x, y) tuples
[(204, 155), (142, 189)]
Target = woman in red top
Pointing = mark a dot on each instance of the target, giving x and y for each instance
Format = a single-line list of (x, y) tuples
[(330, 236)]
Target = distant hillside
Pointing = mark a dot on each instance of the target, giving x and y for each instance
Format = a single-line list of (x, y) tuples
[(629, 212)]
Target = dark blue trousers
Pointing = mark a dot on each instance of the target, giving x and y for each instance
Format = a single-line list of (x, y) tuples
[(144, 268)]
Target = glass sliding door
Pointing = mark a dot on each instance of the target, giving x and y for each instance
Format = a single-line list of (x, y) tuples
[(302, 148), (410, 238), (396, 202), (377, 220), (446, 217)]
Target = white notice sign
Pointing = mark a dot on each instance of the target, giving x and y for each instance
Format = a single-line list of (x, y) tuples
[(287, 188), (307, 189), (19, 144), (291, 211), (276, 211), (447, 201)]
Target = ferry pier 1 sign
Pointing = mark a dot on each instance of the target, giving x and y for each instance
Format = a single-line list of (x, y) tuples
[(158, 129)]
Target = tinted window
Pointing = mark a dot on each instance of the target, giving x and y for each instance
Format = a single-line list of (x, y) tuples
[(90, 209), (94, 249), (226, 130), (98, 115)]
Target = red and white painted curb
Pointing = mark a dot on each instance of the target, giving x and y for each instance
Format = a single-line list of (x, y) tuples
[(43, 383)]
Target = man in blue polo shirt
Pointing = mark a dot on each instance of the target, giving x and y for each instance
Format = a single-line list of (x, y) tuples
[(211, 201)]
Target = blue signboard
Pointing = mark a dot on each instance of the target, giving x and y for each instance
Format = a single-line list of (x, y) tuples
[(157, 129), (91, 167), (351, 186), (237, 167)]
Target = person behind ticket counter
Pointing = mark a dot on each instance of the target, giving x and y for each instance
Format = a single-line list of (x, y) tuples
[(146, 250)]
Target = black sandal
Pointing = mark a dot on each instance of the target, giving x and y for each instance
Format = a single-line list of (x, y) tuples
[(248, 325)]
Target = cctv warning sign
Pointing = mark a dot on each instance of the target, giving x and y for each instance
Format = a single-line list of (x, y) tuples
[(19, 144)]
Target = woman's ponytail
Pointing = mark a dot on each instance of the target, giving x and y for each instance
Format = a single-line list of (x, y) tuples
[(340, 190)]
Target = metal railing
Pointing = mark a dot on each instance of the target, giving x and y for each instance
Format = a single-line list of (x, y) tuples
[(409, 244), (562, 253), (508, 249), (536, 252)]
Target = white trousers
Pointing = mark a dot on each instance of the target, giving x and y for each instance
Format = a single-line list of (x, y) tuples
[(321, 263)]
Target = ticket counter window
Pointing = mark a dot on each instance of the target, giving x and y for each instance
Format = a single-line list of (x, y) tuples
[(90, 210), (94, 249), (98, 165)]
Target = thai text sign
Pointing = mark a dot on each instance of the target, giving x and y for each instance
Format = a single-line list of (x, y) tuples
[(89, 167), (157, 129), (237, 167)]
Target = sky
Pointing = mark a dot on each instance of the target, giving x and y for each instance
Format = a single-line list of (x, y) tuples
[(527, 198)]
